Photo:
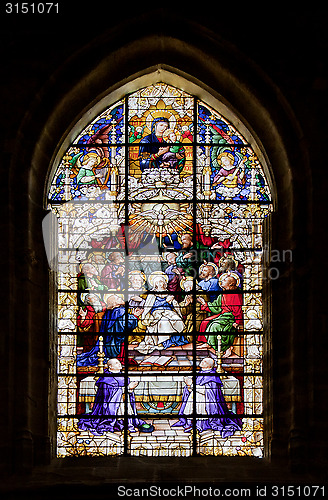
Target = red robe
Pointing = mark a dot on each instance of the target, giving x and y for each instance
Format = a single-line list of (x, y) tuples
[(230, 302), (89, 326)]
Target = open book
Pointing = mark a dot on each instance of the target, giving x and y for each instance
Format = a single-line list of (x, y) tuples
[(156, 360)]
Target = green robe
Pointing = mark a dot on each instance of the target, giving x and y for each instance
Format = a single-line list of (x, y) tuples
[(199, 253), (88, 173), (223, 323)]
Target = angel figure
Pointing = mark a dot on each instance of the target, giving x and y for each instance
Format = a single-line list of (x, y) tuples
[(228, 164), (93, 169), (231, 173)]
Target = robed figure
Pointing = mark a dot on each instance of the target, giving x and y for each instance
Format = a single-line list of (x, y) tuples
[(210, 404), (89, 320), (228, 315), (108, 410), (153, 147), (161, 317), (113, 329)]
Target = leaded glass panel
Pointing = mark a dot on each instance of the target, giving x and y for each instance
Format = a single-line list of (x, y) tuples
[(160, 202)]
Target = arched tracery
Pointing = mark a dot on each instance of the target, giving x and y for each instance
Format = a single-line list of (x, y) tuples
[(160, 199)]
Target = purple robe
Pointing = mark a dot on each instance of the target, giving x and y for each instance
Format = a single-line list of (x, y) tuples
[(220, 417), (174, 281), (103, 417)]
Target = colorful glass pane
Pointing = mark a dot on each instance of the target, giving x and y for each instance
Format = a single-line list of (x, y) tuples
[(159, 203)]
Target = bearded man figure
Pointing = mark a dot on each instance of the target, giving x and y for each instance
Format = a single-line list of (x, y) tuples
[(89, 320), (228, 318), (113, 328)]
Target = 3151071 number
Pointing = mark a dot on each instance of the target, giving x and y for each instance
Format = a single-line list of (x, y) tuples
[(32, 8)]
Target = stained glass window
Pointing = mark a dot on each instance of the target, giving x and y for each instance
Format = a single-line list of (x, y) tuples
[(159, 203)]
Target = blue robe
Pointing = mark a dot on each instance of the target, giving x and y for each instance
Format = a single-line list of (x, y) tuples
[(220, 418), (160, 303), (103, 417), (149, 146), (175, 340), (113, 330), (211, 285)]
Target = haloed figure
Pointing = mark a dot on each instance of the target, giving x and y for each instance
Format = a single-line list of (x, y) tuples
[(153, 147), (228, 315), (161, 317), (113, 328)]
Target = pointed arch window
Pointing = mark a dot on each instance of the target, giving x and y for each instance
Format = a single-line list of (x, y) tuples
[(160, 199)]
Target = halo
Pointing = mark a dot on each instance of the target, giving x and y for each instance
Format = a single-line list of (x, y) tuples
[(158, 112), (107, 295), (83, 296), (226, 152), (95, 254), (170, 130), (91, 154), (228, 256), (215, 267), (230, 273), (183, 232), (155, 275), (184, 279), (164, 255), (137, 273)]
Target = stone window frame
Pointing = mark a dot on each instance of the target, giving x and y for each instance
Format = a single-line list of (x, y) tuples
[(278, 131)]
